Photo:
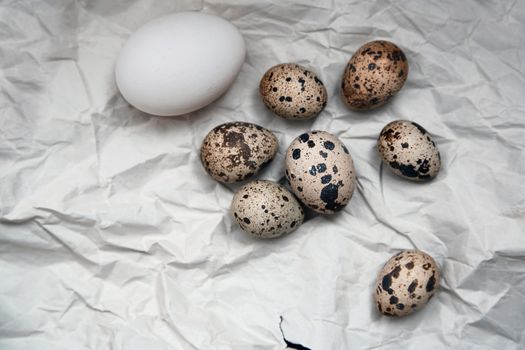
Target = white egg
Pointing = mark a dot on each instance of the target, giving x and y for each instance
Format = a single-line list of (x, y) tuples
[(179, 63)]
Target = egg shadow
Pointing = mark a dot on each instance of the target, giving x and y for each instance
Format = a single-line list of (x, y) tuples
[(125, 111)]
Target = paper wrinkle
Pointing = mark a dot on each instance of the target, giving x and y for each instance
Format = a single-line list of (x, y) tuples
[(114, 237)]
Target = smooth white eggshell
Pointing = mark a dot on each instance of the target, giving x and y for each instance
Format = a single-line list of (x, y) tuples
[(179, 63)]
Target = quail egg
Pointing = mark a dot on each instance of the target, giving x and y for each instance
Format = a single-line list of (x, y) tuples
[(320, 171), (236, 151), (406, 283), (266, 209), (408, 149), (375, 73), (292, 91)]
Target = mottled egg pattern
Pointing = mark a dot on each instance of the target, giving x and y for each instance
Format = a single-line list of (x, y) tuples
[(375, 73), (292, 92), (266, 209), (233, 152), (406, 283), (320, 171), (409, 150)]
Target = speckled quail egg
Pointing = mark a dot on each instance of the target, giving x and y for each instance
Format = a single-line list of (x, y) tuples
[(235, 151), (320, 171), (406, 283), (375, 73), (292, 92), (408, 149), (266, 209)]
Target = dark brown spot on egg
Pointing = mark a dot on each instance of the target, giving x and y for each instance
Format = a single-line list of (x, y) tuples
[(419, 127), (431, 283), (304, 137), (387, 279), (412, 286)]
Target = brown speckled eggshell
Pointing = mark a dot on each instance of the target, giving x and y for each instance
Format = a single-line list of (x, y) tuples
[(406, 283), (235, 151), (408, 149), (292, 92), (266, 209), (320, 171), (375, 73)]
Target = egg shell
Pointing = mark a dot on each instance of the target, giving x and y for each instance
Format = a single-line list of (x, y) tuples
[(179, 63), (320, 171), (292, 91), (406, 283), (375, 73), (233, 152), (266, 209), (408, 149)]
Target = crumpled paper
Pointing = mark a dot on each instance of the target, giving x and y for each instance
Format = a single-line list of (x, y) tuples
[(113, 237)]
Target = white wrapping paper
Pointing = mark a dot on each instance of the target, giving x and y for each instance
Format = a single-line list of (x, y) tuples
[(113, 237)]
